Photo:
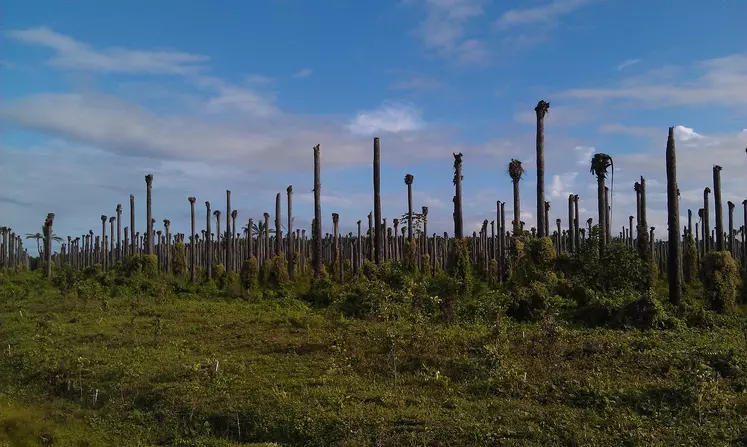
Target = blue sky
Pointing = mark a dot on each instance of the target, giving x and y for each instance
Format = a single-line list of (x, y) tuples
[(211, 97)]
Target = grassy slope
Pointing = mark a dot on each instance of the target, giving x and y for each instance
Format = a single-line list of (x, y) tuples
[(297, 376)]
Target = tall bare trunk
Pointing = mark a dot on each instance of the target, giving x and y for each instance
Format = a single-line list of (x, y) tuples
[(458, 214), (49, 231), (719, 208), (148, 215), (193, 242), (707, 241), (541, 110), (133, 241), (378, 236), (673, 219), (208, 241), (291, 246), (229, 233), (317, 213)]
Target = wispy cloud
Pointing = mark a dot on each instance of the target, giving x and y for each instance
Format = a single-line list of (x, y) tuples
[(259, 79), (627, 63), (303, 73), (546, 14), (444, 30), (72, 54), (720, 81), (391, 117), (418, 83)]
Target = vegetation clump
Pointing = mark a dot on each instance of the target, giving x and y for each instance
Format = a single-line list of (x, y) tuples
[(720, 276)]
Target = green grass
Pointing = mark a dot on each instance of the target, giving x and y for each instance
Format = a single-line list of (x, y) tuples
[(181, 370)]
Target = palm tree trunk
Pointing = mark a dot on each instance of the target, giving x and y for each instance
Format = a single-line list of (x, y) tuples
[(571, 237), (458, 214), (291, 246), (542, 226), (208, 241), (576, 222), (730, 204), (133, 242), (229, 233), (48, 225), (707, 241), (674, 260), (193, 242), (602, 213), (517, 208), (378, 236), (278, 230), (317, 236), (719, 208), (148, 215)]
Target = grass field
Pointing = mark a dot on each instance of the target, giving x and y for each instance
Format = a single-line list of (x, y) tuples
[(95, 368)]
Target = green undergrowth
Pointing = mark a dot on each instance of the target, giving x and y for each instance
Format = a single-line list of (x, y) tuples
[(115, 359)]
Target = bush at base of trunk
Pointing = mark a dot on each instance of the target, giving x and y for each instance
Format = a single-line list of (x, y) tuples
[(427, 270), (410, 258), (625, 310), (274, 273), (529, 303), (250, 273), (179, 264), (150, 266), (720, 276)]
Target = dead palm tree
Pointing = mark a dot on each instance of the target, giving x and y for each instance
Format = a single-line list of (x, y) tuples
[(674, 258), (516, 172), (458, 214), (409, 178), (600, 163), (541, 110), (148, 214)]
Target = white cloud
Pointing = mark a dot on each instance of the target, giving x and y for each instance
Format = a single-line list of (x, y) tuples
[(584, 154), (303, 73), (76, 55), (682, 133), (546, 13), (392, 117), (259, 79), (627, 63), (562, 184), (444, 30), (719, 81)]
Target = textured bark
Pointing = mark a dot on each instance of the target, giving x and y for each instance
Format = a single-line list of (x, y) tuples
[(602, 214), (458, 214), (148, 214), (208, 241), (133, 242), (317, 236), (49, 231), (707, 241), (571, 234), (229, 233), (193, 242), (291, 246), (719, 208), (378, 236), (408, 181), (674, 257), (541, 110), (102, 254), (278, 229), (730, 205)]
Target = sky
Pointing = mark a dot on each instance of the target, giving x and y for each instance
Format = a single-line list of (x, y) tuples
[(210, 96)]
